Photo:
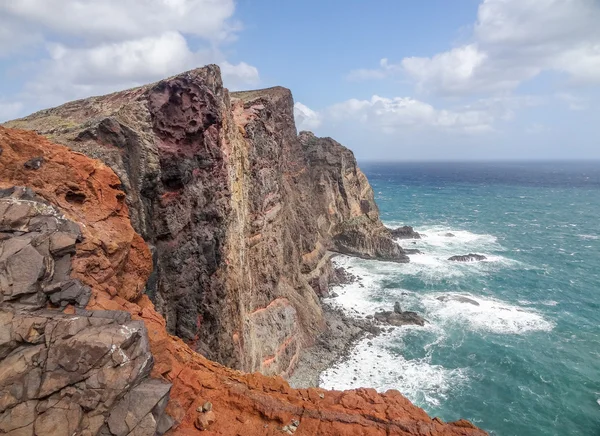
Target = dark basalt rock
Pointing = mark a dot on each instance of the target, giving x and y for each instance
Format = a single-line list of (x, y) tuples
[(399, 318), (60, 373), (35, 253), (471, 257), (405, 232), (34, 164)]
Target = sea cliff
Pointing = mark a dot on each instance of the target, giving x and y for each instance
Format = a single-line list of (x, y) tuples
[(200, 223)]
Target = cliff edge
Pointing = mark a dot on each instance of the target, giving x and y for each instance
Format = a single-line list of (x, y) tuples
[(241, 213)]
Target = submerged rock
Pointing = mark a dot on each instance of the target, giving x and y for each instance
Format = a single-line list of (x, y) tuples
[(471, 257), (459, 298)]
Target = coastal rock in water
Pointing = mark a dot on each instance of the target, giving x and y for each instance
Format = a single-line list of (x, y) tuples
[(459, 298), (399, 318), (449, 235), (240, 211), (114, 262), (471, 257), (405, 232)]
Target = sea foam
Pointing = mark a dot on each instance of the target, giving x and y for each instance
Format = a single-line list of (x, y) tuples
[(487, 315), (373, 364)]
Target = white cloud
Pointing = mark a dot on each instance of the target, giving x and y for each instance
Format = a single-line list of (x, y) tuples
[(306, 118), (392, 115), (238, 76), (125, 19), (95, 47), (452, 70), (513, 41)]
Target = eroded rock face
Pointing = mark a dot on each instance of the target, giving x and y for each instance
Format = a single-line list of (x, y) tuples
[(113, 262), (344, 204), (240, 212), (36, 245)]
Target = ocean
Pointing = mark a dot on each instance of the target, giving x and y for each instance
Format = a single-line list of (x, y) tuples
[(512, 343)]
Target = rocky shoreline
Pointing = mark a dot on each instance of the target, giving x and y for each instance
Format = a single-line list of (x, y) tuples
[(342, 333), (332, 346)]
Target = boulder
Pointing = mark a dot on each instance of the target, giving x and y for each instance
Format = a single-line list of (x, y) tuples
[(405, 232), (399, 318)]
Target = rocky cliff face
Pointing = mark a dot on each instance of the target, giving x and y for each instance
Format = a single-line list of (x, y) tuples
[(239, 211), (66, 370)]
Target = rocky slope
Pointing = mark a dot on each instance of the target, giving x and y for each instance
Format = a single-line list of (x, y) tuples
[(239, 211), (66, 370)]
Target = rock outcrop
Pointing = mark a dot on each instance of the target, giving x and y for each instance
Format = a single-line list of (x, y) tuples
[(239, 211), (471, 257), (405, 232), (398, 317), (64, 374), (112, 260)]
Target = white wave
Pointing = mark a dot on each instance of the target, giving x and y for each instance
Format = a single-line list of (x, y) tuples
[(488, 315), (588, 237), (377, 367)]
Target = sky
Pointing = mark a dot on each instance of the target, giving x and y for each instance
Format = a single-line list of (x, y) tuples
[(390, 79)]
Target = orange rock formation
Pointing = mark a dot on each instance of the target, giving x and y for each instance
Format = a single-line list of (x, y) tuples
[(115, 262)]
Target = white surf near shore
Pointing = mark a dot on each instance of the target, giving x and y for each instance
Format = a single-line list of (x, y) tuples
[(378, 362), (374, 364)]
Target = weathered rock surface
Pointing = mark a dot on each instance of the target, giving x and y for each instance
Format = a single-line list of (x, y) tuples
[(343, 202), (405, 232), (471, 257), (113, 261), (65, 374), (36, 244), (398, 318), (240, 212)]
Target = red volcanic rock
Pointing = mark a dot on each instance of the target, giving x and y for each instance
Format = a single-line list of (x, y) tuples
[(115, 263)]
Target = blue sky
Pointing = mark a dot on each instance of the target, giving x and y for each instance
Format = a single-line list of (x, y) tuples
[(392, 80)]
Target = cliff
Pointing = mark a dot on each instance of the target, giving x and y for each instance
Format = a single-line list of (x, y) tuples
[(241, 213), (66, 241)]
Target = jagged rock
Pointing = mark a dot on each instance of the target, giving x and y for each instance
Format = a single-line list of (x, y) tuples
[(205, 420), (471, 257), (341, 276), (34, 164), (64, 374), (35, 253), (399, 318), (405, 232)]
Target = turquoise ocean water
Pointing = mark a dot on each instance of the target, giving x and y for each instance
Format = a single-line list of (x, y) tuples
[(522, 357)]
